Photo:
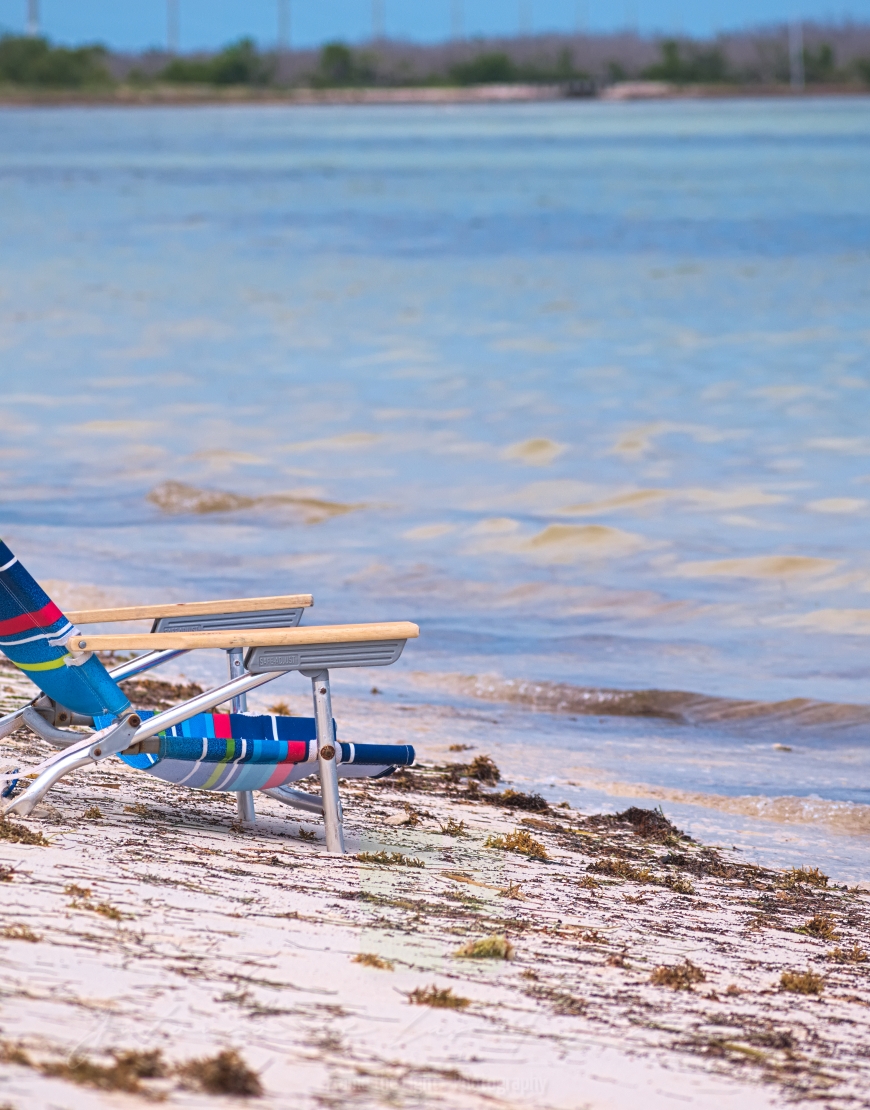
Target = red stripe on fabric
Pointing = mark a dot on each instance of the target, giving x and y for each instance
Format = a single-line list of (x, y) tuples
[(297, 752), (222, 728), (42, 618), (279, 777)]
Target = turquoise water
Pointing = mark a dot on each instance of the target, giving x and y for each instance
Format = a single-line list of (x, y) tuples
[(580, 387)]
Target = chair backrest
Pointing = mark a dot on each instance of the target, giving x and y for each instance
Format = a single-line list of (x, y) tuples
[(33, 635)]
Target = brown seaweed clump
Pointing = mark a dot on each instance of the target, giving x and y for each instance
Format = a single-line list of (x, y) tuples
[(496, 947), (388, 858), (821, 927), (17, 833), (442, 998), (802, 982), (679, 977), (20, 931), (223, 1074), (124, 1073), (483, 769), (369, 959), (516, 799), (804, 876), (854, 955), (518, 841), (651, 824)]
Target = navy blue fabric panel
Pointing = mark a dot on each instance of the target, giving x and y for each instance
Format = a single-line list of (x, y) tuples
[(400, 755)]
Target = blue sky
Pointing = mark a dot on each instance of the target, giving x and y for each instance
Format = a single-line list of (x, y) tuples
[(138, 24)]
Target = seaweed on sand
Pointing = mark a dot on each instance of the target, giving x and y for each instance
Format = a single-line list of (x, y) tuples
[(798, 877), (518, 841), (802, 982), (16, 833), (679, 977), (442, 998), (369, 959), (651, 824), (125, 1073), (395, 858), (20, 931), (516, 799), (496, 947), (854, 955), (821, 926), (223, 1074)]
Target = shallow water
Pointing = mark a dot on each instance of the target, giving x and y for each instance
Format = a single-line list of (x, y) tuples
[(582, 388)]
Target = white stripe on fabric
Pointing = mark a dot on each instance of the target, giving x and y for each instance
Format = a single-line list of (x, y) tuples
[(11, 563), (61, 635), (275, 728), (352, 755), (198, 763)]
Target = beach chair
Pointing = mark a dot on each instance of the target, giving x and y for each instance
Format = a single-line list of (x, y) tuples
[(190, 744)]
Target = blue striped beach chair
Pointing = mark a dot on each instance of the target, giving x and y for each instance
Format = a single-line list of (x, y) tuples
[(191, 744)]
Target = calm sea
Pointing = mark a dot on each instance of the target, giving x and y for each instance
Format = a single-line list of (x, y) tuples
[(582, 388)]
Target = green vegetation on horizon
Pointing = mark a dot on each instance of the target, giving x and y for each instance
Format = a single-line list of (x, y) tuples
[(688, 64), (34, 63), (240, 63)]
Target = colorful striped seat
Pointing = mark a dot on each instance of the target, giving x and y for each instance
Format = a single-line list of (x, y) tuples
[(237, 751)]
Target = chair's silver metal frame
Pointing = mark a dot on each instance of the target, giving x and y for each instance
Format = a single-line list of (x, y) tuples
[(275, 646)]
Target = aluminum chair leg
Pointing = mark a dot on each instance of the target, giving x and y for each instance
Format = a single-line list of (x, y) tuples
[(236, 661), (298, 799), (245, 803), (327, 758), (244, 798)]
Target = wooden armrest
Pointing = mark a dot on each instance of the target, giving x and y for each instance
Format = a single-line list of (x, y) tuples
[(267, 637), (190, 609)]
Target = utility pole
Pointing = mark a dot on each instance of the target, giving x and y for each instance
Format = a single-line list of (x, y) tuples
[(378, 20), (456, 20), (172, 26), (283, 25), (33, 18), (796, 55)]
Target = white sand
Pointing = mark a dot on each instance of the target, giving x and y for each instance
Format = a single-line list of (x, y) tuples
[(247, 939)]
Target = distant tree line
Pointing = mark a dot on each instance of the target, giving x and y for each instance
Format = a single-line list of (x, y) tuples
[(34, 62)]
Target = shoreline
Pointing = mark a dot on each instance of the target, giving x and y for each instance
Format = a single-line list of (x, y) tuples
[(640, 960), (198, 95)]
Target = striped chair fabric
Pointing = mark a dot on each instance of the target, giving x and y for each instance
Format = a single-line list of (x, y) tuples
[(238, 751)]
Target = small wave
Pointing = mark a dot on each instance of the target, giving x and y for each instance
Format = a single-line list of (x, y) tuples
[(845, 818), (180, 498), (678, 706)]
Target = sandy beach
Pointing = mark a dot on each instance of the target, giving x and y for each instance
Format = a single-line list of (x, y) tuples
[(514, 93), (644, 967)]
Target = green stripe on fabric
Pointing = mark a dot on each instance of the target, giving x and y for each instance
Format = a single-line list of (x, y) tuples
[(50, 666), (216, 774)]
